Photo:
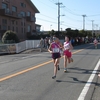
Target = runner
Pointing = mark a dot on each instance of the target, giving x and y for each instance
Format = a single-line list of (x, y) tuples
[(67, 52), (60, 45), (95, 43), (54, 49)]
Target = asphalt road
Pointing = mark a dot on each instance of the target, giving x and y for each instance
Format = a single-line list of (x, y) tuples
[(29, 76)]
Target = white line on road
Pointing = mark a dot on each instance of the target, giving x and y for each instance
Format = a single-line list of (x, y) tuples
[(87, 85)]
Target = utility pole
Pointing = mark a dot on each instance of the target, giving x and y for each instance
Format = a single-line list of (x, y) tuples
[(58, 15), (92, 27), (84, 21)]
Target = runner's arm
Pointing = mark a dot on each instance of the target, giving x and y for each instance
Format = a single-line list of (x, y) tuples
[(71, 47), (49, 49)]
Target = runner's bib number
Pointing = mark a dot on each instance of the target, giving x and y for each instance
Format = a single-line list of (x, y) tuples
[(56, 50)]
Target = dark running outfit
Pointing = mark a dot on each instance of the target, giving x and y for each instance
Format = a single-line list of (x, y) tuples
[(56, 50)]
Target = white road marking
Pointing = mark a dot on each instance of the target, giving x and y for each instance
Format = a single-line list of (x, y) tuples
[(87, 85)]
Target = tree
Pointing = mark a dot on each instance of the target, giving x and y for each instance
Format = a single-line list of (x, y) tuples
[(10, 37), (52, 32)]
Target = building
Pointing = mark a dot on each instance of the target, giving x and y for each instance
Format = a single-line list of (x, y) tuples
[(94, 32), (38, 27), (18, 16)]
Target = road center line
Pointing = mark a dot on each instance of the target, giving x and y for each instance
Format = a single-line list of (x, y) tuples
[(32, 68), (87, 85), (24, 71)]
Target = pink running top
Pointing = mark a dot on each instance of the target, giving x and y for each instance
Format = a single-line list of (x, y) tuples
[(55, 47)]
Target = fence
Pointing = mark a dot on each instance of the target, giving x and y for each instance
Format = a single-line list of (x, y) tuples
[(18, 47)]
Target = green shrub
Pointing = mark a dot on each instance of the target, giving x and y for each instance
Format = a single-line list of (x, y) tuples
[(10, 37)]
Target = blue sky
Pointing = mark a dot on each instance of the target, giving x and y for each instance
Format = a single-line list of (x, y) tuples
[(73, 11)]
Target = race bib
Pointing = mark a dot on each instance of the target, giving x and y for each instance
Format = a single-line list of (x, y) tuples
[(56, 50)]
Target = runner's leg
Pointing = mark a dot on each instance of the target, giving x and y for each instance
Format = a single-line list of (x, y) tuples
[(65, 63), (55, 67), (58, 64), (69, 59)]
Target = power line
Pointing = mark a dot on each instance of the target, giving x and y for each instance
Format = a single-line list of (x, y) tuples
[(48, 16), (73, 19), (47, 20), (93, 15), (59, 13), (70, 26), (46, 4), (56, 23), (52, 1), (59, 6), (71, 12)]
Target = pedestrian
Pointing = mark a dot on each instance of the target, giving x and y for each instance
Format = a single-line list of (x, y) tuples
[(67, 52), (46, 43), (41, 44), (54, 49), (95, 43)]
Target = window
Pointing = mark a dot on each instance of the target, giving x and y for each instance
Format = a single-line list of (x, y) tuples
[(33, 18), (17, 29), (4, 21), (28, 13), (13, 22), (7, 1), (22, 30), (29, 28), (23, 13), (4, 27), (13, 28), (22, 23), (4, 6), (14, 9), (37, 28), (16, 23), (8, 27), (23, 5)]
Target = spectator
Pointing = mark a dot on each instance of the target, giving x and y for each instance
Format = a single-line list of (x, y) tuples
[(41, 44)]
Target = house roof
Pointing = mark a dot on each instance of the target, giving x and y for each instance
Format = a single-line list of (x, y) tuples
[(33, 6), (38, 25)]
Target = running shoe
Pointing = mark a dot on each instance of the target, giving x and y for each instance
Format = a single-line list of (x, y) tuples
[(53, 77), (58, 67), (71, 59), (65, 70)]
